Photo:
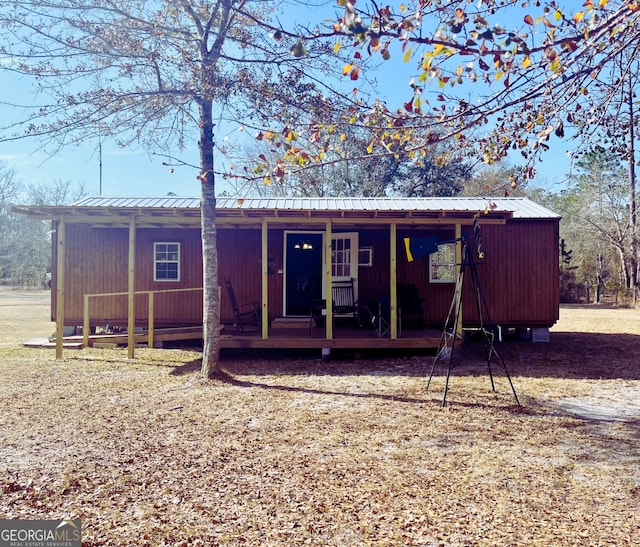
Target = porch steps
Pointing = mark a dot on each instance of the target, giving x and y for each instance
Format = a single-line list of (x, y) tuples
[(290, 323)]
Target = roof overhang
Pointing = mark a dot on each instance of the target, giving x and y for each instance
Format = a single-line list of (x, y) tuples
[(230, 212)]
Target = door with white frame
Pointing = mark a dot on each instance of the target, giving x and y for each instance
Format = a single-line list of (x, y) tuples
[(303, 271), (344, 258), (304, 275)]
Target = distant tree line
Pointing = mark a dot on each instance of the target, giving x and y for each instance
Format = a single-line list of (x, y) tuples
[(598, 234), (596, 247), (25, 245)]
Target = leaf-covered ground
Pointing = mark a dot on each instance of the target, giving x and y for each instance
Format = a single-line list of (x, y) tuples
[(347, 452)]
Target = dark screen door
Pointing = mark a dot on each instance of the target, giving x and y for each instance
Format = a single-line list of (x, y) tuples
[(303, 272)]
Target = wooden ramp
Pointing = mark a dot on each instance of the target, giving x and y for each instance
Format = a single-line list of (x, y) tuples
[(46, 343)]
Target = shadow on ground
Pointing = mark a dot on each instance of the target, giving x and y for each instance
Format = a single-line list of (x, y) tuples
[(567, 355)]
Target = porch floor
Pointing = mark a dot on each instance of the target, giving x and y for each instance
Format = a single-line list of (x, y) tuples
[(345, 337)]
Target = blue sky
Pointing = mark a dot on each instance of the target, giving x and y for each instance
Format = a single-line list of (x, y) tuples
[(133, 172)]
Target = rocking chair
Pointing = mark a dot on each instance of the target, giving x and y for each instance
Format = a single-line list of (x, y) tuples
[(344, 300), (246, 317)]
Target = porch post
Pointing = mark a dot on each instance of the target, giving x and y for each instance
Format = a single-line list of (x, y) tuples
[(131, 325), (327, 275), (60, 282), (265, 280), (458, 234), (393, 293)]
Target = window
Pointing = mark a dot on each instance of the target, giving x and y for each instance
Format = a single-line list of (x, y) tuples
[(341, 257), (365, 256), (166, 266), (442, 264)]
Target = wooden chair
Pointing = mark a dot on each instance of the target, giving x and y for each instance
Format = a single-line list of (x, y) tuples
[(411, 308), (344, 303), (246, 317)]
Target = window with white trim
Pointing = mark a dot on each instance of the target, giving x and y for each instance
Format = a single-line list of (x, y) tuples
[(166, 261), (442, 264), (341, 260)]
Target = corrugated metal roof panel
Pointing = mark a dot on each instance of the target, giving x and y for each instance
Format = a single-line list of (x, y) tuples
[(170, 202), (520, 207)]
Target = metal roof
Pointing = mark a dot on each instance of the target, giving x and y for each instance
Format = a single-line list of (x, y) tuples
[(184, 212), (138, 202), (519, 207)]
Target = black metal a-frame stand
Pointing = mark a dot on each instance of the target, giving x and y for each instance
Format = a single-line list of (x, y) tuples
[(450, 335)]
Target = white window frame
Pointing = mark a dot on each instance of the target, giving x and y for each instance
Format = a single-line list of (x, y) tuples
[(365, 256), (166, 260), (442, 264), (344, 255)]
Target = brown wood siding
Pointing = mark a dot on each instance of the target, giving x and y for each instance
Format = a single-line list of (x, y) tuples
[(275, 278), (182, 308), (97, 262), (375, 280), (519, 276), (437, 296), (239, 253)]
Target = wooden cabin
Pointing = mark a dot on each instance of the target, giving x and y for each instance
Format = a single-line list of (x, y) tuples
[(136, 263)]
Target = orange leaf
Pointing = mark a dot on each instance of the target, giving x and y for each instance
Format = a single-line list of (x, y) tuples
[(528, 20)]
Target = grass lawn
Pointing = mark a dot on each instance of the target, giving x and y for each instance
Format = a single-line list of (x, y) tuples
[(347, 452)]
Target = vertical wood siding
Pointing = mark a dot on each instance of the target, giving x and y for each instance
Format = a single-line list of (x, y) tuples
[(519, 276), (97, 263)]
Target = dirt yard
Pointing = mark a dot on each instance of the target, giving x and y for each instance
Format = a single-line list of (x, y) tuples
[(347, 452)]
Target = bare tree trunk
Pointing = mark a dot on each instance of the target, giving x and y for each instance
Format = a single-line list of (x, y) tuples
[(211, 293), (632, 197)]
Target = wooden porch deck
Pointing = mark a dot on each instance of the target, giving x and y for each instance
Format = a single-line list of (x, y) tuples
[(343, 338), (285, 338)]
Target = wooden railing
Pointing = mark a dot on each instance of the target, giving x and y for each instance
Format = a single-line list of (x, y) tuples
[(86, 322)]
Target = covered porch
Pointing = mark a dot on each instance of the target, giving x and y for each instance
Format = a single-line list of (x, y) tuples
[(284, 254)]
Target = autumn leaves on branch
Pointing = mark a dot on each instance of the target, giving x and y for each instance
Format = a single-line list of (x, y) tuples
[(493, 76)]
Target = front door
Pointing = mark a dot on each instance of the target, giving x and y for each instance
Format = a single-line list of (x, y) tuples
[(304, 272)]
